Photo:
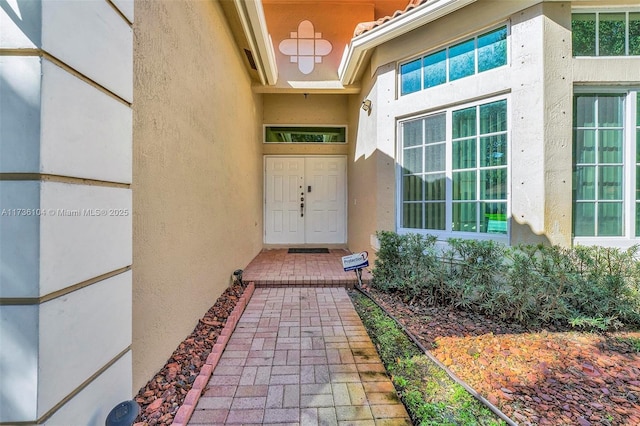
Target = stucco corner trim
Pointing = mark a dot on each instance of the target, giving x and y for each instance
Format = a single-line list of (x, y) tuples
[(357, 51)]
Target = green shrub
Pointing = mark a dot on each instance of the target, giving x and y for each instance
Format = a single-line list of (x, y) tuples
[(385, 274), (408, 263), (608, 284), (537, 279), (476, 271), (588, 287)]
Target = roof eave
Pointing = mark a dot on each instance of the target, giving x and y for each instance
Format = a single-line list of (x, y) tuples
[(357, 51), (254, 26)]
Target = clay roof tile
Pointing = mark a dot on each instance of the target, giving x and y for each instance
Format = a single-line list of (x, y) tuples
[(363, 27)]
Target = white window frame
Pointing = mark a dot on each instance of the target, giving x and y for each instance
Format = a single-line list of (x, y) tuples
[(629, 155), (598, 11), (446, 46), (447, 233), (302, 126)]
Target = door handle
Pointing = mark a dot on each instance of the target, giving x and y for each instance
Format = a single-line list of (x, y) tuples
[(301, 209)]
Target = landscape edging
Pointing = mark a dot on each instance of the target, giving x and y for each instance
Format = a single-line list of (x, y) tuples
[(436, 361), (191, 400)]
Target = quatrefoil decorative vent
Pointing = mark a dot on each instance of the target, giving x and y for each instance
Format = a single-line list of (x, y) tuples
[(305, 47)]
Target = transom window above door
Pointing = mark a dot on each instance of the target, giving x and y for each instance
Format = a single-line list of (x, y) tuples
[(453, 175), (305, 134)]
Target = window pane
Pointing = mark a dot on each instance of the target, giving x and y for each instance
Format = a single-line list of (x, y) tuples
[(462, 60), (585, 146), (434, 157), (585, 183), (434, 216), (435, 189), (610, 183), (410, 77), (611, 34), (492, 49), (493, 151), (435, 128), (610, 219), (584, 219), (464, 154), (412, 160), (634, 33), (464, 123), (585, 111), (464, 185), (610, 111), (435, 69), (493, 218), (493, 117), (305, 134), (493, 184), (464, 217), (610, 146), (583, 28), (412, 215), (412, 188), (412, 133)]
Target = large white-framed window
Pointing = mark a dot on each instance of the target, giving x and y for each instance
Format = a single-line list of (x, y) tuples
[(453, 171), (605, 32), (606, 164), (474, 55)]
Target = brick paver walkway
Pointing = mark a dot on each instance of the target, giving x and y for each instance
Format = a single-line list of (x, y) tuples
[(299, 356), (276, 267)]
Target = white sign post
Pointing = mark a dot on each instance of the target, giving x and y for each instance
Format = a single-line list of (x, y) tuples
[(355, 262)]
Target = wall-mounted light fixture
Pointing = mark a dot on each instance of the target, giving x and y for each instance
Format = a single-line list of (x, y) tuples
[(366, 106)]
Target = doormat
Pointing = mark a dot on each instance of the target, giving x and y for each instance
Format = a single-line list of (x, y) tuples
[(308, 250)]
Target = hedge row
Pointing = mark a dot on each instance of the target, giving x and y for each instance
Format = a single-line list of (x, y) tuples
[(594, 287)]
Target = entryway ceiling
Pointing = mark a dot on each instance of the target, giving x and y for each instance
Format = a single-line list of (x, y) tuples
[(308, 39)]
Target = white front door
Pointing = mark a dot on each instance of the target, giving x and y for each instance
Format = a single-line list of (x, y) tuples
[(305, 200)]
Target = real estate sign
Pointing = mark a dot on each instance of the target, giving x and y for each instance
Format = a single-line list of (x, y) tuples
[(355, 261)]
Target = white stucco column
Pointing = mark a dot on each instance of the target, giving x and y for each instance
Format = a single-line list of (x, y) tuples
[(558, 116), (66, 85), (541, 125)]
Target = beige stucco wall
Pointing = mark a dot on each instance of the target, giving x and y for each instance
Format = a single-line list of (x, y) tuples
[(197, 172), (312, 109), (366, 215)]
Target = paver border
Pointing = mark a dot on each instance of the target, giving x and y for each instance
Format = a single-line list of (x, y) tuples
[(191, 400)]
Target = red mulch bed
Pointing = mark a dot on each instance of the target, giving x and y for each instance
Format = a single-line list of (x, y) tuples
[(546, 376), (163, 395)]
